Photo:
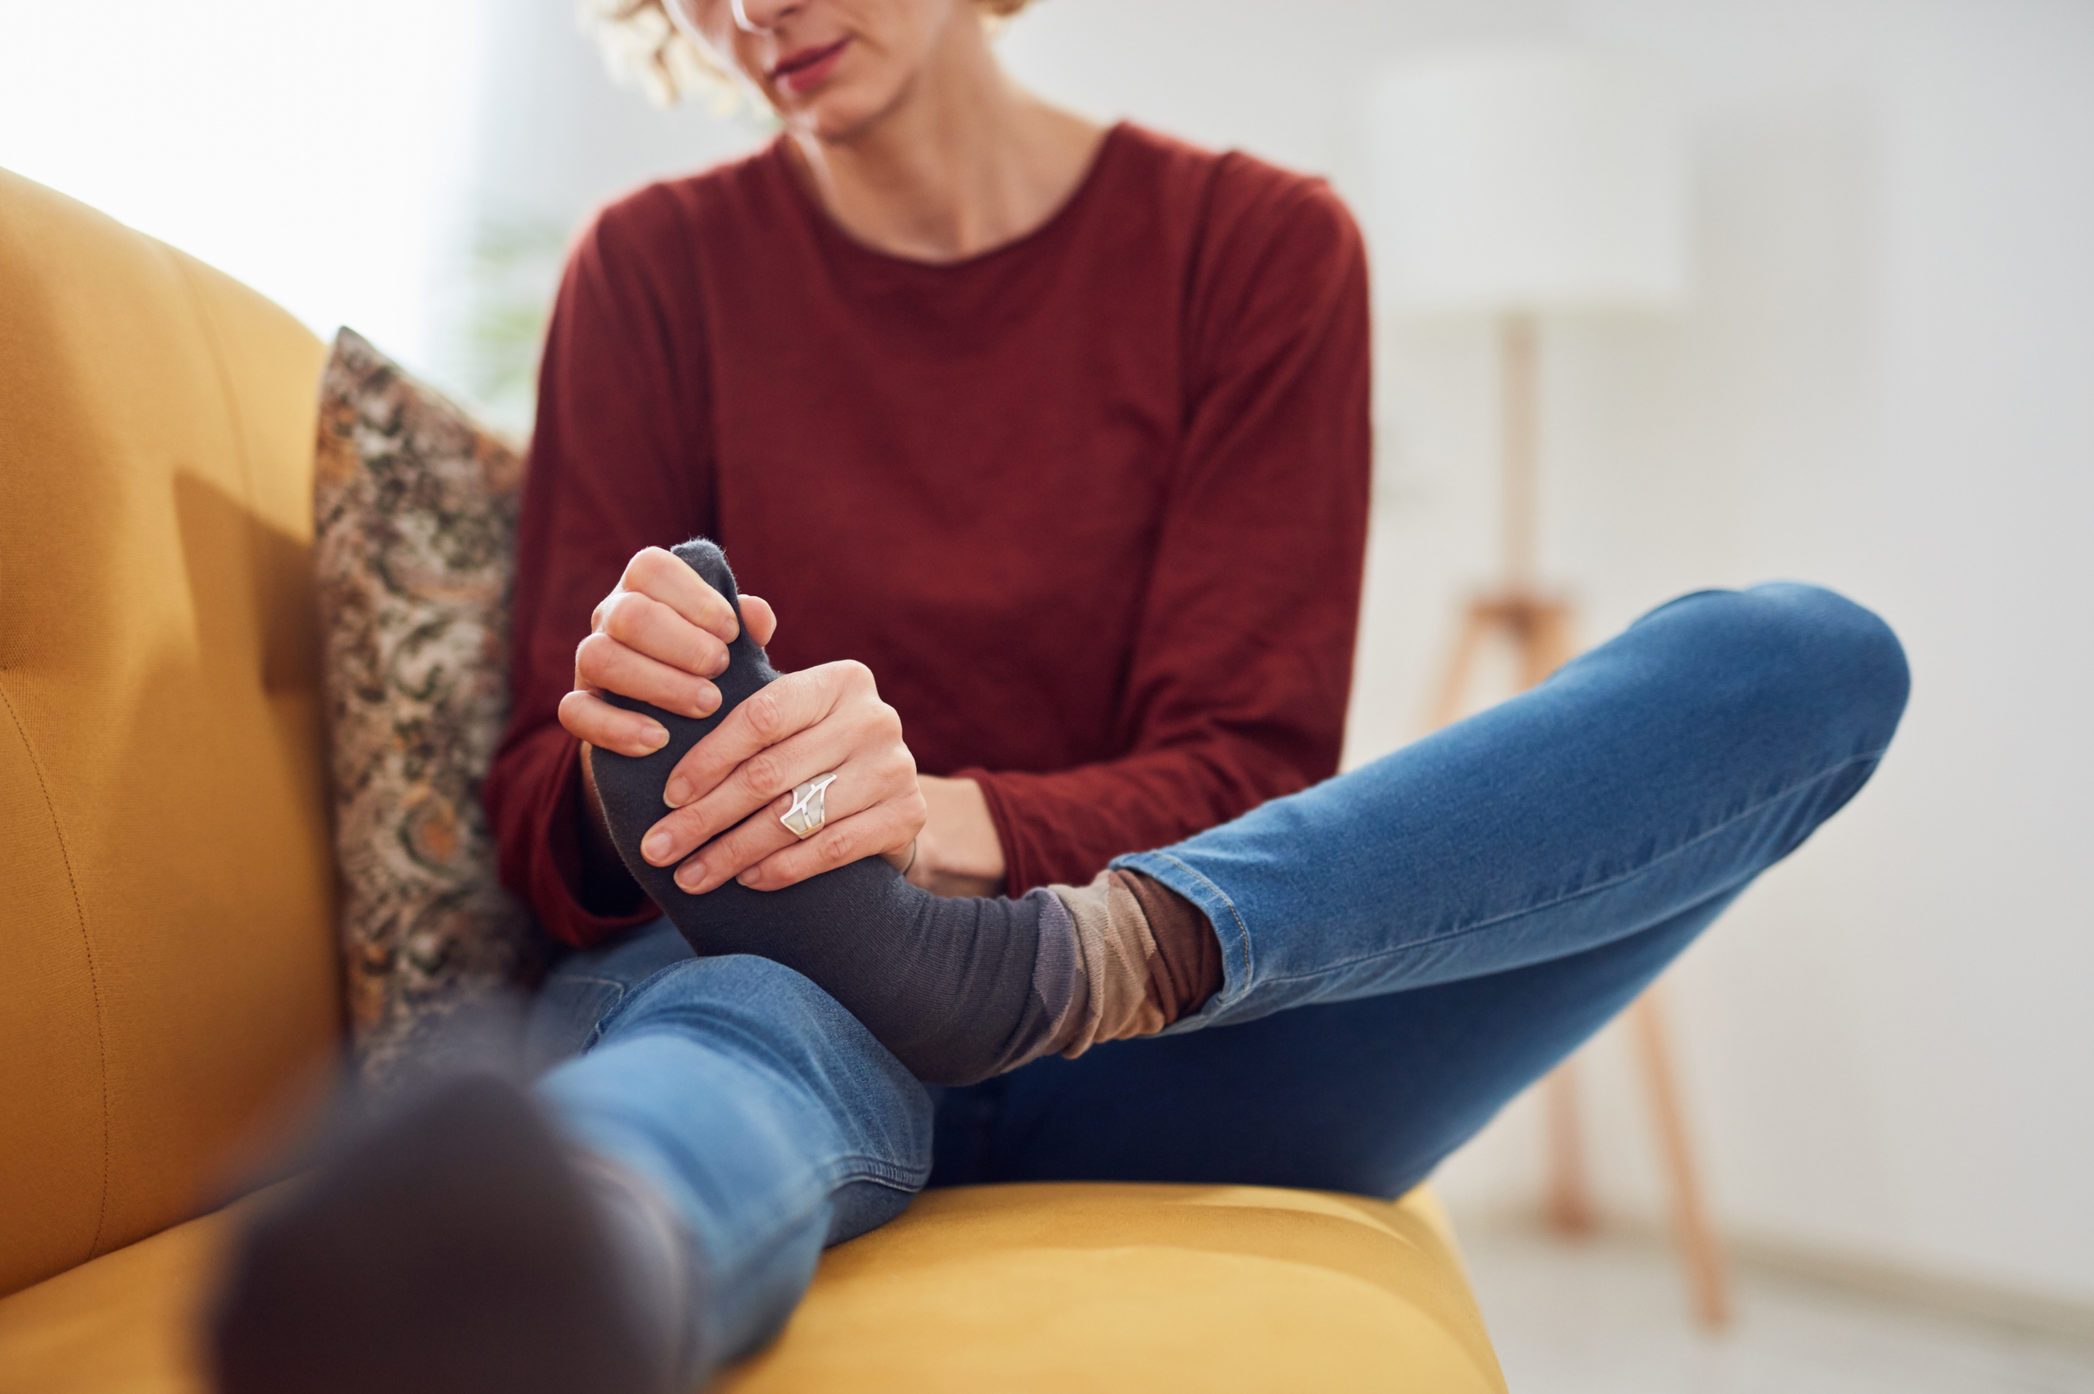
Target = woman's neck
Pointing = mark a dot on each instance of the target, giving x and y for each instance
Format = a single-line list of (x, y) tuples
[(963, 160)]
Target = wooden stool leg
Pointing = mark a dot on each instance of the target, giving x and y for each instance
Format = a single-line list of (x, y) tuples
[(1569, 1206), (1547, 644), (1476, 624), (1541, 628), (1700, 1251), (1550, 643)]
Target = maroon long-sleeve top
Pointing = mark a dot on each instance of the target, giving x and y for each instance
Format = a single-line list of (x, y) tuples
[(1091, 504)]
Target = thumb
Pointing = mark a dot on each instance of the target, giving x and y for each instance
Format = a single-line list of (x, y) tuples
[(759, 620)]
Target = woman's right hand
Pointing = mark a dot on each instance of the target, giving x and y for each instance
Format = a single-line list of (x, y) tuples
[(660, 636)]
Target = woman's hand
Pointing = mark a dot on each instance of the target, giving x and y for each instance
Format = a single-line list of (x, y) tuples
[(730, 788), (659, 636)]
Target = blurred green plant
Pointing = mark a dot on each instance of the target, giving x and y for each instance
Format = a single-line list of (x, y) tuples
[(491, 322), (489, 350)]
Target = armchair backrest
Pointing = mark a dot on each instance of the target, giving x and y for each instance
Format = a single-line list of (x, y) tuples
[(168, 975)]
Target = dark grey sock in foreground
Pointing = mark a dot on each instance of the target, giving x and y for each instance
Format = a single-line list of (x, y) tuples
[(451, 1248), (944, 982)]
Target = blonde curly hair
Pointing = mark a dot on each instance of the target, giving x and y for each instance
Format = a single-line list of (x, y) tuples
[(643, 47)]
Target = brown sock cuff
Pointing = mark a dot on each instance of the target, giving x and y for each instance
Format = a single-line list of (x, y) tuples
[(1187, 968), (1138, 956)]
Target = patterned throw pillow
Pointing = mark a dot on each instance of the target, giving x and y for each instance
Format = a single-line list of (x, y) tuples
[(415, 527)]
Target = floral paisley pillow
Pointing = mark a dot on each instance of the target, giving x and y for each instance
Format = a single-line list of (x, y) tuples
[(415, 526)]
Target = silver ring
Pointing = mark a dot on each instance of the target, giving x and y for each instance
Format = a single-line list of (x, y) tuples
[(809, 809)]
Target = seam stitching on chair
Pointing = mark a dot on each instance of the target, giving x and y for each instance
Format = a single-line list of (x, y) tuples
[(94, 980), (1598, 886)]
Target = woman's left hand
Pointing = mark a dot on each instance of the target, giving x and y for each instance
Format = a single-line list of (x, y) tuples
[(804, 724)]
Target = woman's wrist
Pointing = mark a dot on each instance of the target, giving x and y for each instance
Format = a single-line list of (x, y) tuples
[(958, 851)]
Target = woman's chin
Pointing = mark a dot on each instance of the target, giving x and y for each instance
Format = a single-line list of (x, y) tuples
[(830, 114)]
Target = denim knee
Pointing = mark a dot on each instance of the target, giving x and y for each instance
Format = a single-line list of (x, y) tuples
[(745, 993), (1851, 657), (770, 1010), (1804, 657)]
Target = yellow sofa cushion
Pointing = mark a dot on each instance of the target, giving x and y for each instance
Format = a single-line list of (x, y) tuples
[(1047, 1288)]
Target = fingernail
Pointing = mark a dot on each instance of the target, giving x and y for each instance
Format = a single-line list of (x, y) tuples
[(749, 878), (655, 736), (691, 876), (677, 794), (655, 847)]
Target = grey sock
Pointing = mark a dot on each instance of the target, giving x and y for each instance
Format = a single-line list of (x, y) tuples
[(449, 1244)]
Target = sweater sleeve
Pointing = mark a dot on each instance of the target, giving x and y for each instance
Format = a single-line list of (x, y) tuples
[(612, 469), (1237, 689)]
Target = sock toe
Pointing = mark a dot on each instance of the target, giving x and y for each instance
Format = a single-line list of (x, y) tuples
[(452, 1247)]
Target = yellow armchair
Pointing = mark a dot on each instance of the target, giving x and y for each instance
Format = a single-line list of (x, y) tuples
[(170, 992)]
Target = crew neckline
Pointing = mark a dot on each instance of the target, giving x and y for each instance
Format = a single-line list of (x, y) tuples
[(1064, 213)]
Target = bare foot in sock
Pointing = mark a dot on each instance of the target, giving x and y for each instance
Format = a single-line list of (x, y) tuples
[(959, 988), (457, 1246)]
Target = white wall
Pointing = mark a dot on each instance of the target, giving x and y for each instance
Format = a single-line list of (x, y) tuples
[(1882, 387), (308, 149)]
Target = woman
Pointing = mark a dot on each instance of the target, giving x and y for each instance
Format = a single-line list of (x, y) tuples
[(1054, 438)]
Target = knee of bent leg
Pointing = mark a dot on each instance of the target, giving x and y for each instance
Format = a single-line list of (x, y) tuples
[(1810, 658), (778, 1021), (755, 998)]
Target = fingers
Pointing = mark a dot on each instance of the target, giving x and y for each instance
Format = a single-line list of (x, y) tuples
[(727, 791), (776, 712), (759, 619), (763, 853), (660, 573), (765, 778), (590, 718), (603, 663), (888, 826), (659, 637), (648, 626)]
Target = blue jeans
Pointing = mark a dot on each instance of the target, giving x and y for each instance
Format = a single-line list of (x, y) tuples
[(1406, 946)]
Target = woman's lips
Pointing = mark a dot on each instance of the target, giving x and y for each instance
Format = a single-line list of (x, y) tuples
[(813, 70)]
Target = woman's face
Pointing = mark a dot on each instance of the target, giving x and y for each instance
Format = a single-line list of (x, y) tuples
[(825, 66)]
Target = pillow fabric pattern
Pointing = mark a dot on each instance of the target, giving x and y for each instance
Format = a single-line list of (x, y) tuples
[(415, 526)]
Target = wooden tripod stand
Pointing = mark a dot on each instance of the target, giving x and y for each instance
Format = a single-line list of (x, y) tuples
[(1539, 628)]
